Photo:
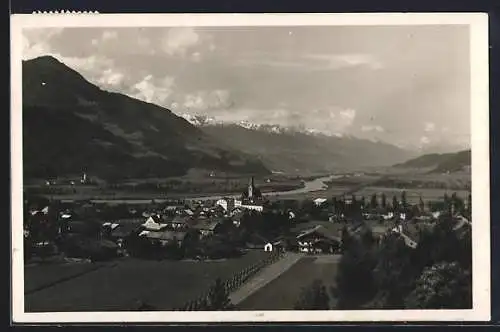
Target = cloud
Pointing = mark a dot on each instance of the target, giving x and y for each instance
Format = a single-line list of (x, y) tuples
[(370, 128), (424, 140), (152, 90), (429, 126), (178, 40), (111, 77), (348, 115), (106, 36), (207, 100), (196, 56), (338, 61), (311, 62), (36, 42)]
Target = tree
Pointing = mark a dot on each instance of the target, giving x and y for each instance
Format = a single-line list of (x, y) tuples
[(395, 203), (446, 200), (355, 283), (335, 204), (421, 204), (314, 297), (367, 237), (346, 239), (374, 202), (394, 272), (404, 201), (384, 201), (218, 298), (444, 285)]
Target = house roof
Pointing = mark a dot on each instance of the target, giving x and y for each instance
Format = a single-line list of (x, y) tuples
[(321, 230), (320, 200), (153, 224), (124, 230), (207, 225), (181, 220), (166, 235)]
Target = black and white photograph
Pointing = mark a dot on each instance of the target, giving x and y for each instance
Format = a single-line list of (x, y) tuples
[(257, 167)]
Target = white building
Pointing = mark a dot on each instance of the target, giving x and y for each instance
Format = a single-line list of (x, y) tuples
[(318, 201)]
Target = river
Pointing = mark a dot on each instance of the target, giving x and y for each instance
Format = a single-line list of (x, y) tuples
[(317, 184)]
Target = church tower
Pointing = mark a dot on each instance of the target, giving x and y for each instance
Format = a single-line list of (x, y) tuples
[(250, 188)]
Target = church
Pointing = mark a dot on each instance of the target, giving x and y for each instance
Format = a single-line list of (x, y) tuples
[(251, 198)]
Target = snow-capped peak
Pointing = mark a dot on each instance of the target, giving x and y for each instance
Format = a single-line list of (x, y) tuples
[(201, 120)]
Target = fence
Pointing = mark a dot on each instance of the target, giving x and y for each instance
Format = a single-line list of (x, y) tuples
[(232, 283)]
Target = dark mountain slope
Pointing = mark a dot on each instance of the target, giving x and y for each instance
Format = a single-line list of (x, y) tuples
[(70, 125), (442, 163)]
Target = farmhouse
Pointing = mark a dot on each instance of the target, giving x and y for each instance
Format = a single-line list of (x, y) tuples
[(208, 227), (180, 222), (319, 201), (318, 240), (123, 231), (166, 238), (226, 203), (409, 233), (154, 223)]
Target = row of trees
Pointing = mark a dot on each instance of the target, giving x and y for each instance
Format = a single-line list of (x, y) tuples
[(390, 275)]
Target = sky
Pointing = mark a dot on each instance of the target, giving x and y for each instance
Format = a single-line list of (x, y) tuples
[(407, 85)]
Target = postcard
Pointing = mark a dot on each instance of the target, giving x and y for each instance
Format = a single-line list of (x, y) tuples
[(250, 167)]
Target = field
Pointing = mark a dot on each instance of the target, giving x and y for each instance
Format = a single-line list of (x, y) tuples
[(119, 286), (412, 195), (161, 188), (283, 292)]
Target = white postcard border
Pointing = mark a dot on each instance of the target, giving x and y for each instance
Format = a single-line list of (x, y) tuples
[(478, 23)]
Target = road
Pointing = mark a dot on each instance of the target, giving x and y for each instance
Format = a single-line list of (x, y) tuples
[(265, 276)]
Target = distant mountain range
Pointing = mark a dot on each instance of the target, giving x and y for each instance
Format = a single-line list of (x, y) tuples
[(440, 163), (71, 125), (295, 149), (204, 121)]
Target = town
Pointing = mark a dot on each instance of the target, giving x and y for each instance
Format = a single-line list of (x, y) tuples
[(227, 244)]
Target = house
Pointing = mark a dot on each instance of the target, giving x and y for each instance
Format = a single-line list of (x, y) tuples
[(166, 237), (460, 221), (253, 207), (188, 212), (409, 233), (319, 201), (180, 222), (224, 203), (388, 216), (318, 240), (208, 227), (83, 228), (154, 223), (122, 232)]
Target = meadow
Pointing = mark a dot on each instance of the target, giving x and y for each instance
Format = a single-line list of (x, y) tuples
[(283, 292), (119, 286)]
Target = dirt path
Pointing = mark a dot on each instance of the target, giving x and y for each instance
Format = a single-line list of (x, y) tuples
[(264, 277)]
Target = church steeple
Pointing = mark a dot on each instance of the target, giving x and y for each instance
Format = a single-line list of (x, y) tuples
[(250, 188)]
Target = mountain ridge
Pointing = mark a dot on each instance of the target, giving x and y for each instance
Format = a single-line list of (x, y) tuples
[(69, 125), (439, 162)]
